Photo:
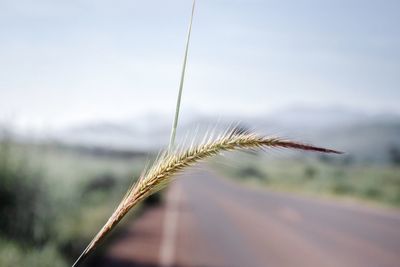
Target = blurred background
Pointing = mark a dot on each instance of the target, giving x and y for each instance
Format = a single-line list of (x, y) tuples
[(87, 97)]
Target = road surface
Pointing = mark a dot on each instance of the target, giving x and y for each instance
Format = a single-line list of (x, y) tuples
[(212, 222)]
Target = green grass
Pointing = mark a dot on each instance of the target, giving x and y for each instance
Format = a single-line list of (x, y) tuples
[(375, 183), (12, 254), (53, 198)]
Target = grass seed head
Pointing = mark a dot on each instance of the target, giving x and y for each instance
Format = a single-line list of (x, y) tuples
[(170, 163)]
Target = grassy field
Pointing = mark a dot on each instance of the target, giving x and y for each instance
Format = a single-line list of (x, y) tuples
[(54, 198), (325, 176)]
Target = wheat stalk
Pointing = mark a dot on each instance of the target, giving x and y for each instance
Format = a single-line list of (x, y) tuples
[(170, 163)]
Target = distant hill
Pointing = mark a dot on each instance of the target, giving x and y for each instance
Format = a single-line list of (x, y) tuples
[(361, 135)]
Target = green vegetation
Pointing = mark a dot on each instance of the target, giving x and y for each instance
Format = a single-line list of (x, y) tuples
[(53, 198), (12, 254), (379, 183)]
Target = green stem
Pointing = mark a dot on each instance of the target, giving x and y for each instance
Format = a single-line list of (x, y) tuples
[(178, 102)]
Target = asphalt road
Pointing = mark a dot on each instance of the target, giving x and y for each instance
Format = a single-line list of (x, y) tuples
[(212, 222)]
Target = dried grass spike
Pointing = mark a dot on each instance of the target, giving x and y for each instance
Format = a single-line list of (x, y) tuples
[(169, 164)]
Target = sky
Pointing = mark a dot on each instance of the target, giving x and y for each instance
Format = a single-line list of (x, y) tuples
[(68, 62)]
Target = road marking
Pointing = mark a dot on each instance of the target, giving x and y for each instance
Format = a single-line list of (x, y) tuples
[(170, 226)]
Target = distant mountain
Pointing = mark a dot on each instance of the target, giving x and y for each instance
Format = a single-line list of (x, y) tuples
[(370, 141), (363, 136)]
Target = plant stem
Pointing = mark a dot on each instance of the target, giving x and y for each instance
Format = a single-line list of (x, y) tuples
[(178, 102)]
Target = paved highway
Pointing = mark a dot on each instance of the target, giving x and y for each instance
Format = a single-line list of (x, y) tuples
[(212, 222)]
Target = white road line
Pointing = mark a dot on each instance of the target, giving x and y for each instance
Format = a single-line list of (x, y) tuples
[(170, 226)]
